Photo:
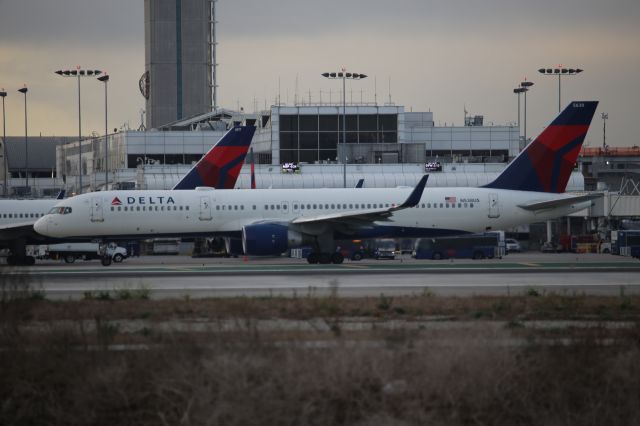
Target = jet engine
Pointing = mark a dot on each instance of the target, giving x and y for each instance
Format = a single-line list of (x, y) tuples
[(267, 239)]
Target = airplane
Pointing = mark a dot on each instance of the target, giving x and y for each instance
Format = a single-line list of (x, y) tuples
[(270, 221), (219, 168)]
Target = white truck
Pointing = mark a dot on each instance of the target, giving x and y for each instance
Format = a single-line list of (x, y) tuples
[(69, 252)]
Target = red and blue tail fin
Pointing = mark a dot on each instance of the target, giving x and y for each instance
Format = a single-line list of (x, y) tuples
[(219, 168), (545, 165)]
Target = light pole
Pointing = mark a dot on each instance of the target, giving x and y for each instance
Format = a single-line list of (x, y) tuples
[(5, 164), (560, 71), (518, 91), (78, 72), (344, 76), (525, 85), (24, 91), (605, 117), (105, 80)]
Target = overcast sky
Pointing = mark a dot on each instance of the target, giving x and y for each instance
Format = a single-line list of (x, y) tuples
[(439, 55)]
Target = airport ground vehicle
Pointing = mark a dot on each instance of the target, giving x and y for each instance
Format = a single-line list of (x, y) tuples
[(512, 245), (385, 249), (474, 246), (69, 252), (625, 243)]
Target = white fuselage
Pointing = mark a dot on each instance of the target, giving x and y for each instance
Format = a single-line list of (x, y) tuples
[(441, 211), (24, 211)]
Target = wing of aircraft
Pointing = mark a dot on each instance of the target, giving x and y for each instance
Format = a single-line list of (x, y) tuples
[(17, 230), (544, 205), (364, 217)]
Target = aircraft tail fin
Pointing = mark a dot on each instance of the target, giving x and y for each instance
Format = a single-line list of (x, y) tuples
[(219, 168), (545, 165)]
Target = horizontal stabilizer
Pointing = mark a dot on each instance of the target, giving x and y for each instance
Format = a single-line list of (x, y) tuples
[(561, 202)]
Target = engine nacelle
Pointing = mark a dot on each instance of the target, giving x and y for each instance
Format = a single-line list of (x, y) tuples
[(233, 246), (265, 239)]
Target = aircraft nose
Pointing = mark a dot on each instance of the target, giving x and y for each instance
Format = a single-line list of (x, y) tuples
[(42, 225)]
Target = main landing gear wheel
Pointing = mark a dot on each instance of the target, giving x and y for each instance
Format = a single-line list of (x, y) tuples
[(325, 258), (21, 260), (106, 260)]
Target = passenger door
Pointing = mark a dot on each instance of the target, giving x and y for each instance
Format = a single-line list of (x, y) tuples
[(97, 214), (494, 205), (205, 208)]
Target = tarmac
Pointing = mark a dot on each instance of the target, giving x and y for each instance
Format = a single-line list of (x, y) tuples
[(182, 276)]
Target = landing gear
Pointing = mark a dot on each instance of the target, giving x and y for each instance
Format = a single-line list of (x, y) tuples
[(18, 256), (325, 258), (21, 260)]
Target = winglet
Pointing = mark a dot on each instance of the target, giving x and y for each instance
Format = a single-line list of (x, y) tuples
[(416, 194), (360, 183), (60, 195)]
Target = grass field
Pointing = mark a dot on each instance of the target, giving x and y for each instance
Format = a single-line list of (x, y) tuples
[(120, 358)]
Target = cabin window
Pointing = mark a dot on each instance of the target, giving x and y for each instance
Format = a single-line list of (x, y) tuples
[(187, 208), (217, 208), (471, 205), (242, 207)]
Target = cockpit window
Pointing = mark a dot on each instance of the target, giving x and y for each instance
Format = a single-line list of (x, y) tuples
[(60, 210)]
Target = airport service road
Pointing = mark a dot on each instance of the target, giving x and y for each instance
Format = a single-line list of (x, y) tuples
[(181, 276)]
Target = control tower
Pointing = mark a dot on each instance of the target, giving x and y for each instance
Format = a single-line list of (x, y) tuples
[(180, 59)]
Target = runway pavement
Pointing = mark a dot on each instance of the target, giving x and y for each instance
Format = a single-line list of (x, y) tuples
[(179, 276)]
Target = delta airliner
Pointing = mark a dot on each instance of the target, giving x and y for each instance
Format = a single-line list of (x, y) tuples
[(270, 221)]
